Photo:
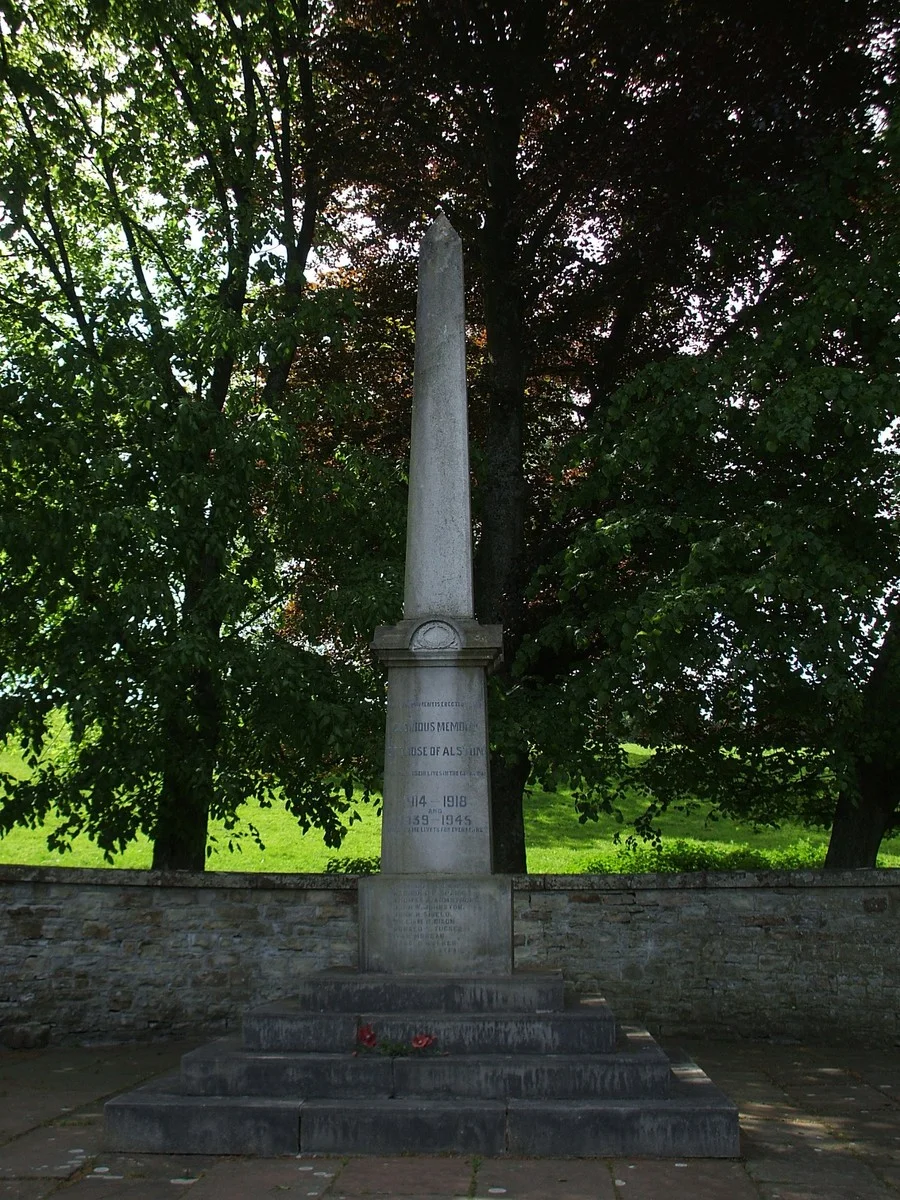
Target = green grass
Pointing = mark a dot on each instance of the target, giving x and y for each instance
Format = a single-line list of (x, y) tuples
[(557, 844)]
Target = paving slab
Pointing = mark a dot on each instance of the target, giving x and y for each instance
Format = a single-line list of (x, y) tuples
[(243, 1179), (641, 1179), (155, 1166), (833, 1170), (875, 1138), (21, 1110), (25, 1189), (543, 1179), (49, 1153), (138, 1177), (90, 1070), (844, 1097), (37, 1086), (772, 1137), (823, 1191), (120, 1187), (748, 1087), (431, 1175)]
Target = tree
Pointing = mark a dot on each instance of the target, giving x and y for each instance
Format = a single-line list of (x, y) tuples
[(163, 170), (591, 157), (622, 179), (735, 575)]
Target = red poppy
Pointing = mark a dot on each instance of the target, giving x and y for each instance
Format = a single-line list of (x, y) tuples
[(366, 1036), (422, 1041)]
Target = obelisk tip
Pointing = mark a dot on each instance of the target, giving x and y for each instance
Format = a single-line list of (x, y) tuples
[(440, 227)]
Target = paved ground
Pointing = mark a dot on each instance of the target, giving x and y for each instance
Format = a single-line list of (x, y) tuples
[(818, 1124)]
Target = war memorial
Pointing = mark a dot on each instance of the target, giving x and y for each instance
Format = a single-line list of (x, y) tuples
[(436, 1043)]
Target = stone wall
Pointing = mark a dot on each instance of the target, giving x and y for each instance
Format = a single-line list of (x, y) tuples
[(114, 955), (133, 955), (806, 955)]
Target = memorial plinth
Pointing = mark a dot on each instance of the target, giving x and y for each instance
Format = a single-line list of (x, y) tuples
[(436, 907), (437, 815)]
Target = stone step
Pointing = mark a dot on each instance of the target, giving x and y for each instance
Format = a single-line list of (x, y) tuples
[(225, 1068), (695, 1120), (588, 1027), (637, 1068), (557, 1076), (286, 1026), (348, 991), (698, 1121), (403, 1127), (159, 1118)]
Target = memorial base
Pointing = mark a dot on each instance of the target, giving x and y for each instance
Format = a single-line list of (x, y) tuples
[(435, 925), (503, 1066)]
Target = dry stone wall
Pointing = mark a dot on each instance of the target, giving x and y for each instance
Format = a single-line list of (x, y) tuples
[(132, 955)]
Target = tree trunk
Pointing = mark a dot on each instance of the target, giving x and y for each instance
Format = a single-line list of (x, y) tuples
[(508, 778), (179, 841), (500, 573), (863, 815), (193, 735), (186, 796), (861, 819)]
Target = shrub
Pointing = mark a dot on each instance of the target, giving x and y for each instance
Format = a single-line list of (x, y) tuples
[(353, 866), (689, 854)]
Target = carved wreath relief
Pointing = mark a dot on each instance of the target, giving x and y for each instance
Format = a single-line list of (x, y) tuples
[(435, 635)]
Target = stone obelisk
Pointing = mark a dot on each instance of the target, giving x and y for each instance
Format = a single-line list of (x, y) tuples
[(436, 907)]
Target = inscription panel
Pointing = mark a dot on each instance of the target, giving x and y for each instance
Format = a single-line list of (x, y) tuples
[(435, 925), (436, 793)]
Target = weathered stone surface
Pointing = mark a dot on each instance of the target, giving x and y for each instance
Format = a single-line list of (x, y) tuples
[(437, 809), (650, 1128), (351, 991), (439, 526), (391, 1097), (225, 1068), (160, 1119), (831, 1162), (534, 1076), (402, 1127), (436, 925), (282, 1026), (436, 787), (574, 1032), (578, 1031)]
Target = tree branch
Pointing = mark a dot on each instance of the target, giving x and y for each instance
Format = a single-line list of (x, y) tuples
[(218, 180)]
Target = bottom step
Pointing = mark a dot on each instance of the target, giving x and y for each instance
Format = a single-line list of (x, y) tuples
[(697, 1120), (160, 1119)]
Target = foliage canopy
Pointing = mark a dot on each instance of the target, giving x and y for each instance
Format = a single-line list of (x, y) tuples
[(680, 227), (162, 173)]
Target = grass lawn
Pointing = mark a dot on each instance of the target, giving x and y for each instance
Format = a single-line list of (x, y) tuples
[(557, 844)]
